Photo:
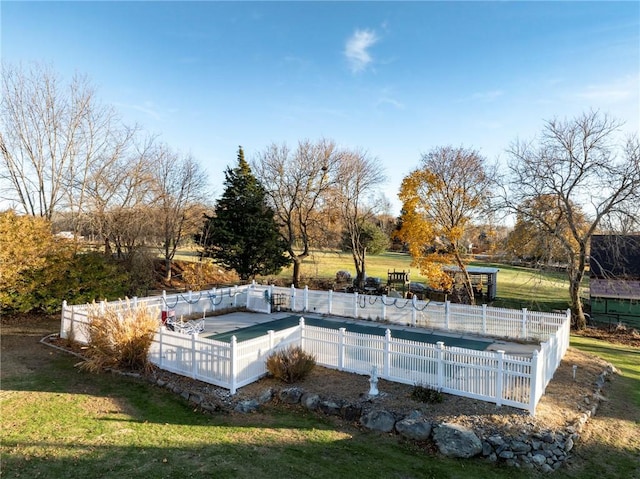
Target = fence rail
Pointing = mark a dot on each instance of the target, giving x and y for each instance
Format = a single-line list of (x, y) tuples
[(490, 376)]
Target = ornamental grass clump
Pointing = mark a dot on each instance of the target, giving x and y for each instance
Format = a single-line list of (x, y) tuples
[(291, 364), (120, 336)]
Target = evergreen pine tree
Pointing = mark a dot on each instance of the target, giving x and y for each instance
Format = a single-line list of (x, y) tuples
[(243, 234)]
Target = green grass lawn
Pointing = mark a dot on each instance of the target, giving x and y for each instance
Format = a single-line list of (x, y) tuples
[(58, 422), (625, 358)]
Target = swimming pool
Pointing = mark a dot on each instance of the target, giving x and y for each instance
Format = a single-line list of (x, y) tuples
[(250, 332)]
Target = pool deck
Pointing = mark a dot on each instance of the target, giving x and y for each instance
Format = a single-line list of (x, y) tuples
[(233, 321)]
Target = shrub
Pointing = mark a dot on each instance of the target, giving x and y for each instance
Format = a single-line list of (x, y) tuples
[(291, 364), (426, 393), (120, 336)]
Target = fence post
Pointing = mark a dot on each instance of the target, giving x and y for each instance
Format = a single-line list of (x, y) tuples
[(306, 299), (499, 376), (384, 307), (160, 348), (447, 304), (189, 296), (534, 384), (234, 366), (194, 365), (212, 299), (63, 333), (484, 319), (523, 333), (165, 307), (302, 332), (293, 298), (414, 310), (270, 302), (440, 357), (341, 332), (135, 302), (330, 301), (387, 354), (355, 304), (270, 333)]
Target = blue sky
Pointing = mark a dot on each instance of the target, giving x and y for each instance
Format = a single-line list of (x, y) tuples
[(392, 78)]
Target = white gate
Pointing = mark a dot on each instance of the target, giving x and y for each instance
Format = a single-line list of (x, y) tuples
[(259, 299)]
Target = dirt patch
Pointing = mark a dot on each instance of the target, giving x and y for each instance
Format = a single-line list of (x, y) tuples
[(618, 334)]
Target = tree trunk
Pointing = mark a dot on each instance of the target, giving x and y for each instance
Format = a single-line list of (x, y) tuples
[(466, 279), (579, 319), (297, 264), (167, 266)]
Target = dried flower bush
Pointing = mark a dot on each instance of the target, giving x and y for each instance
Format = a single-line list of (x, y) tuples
[(120, 336)]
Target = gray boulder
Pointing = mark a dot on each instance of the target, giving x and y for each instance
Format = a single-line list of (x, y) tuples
[(329, 407), (414, 427), (456, 441), (266, 396), (291, 395), (310, 401), (249, 405), (378, 420)]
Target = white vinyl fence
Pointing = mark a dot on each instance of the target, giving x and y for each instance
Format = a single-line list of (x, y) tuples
[(504, 379)]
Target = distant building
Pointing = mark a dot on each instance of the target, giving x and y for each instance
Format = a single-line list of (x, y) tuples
[(614, 286)]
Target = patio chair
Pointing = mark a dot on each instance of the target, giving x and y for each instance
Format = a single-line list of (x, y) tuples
[(185, 327)]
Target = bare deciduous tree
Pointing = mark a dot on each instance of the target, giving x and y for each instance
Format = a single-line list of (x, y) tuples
[(356, 198), (296, 183), (119, 194), (52, 136), (579, 163), (179, 185)]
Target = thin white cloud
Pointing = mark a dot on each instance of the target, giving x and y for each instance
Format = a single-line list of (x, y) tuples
[(617, 90), (357, 49)]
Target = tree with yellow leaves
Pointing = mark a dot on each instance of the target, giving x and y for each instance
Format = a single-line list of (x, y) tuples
[(440, 198)]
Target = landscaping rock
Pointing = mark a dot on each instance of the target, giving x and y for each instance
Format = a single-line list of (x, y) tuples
[(456, 441), (266, 396), (310, 401), (249, 405), (291, 395), (330, 408), (414, 427), (378, 420)]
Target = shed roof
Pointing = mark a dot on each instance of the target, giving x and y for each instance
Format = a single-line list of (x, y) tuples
[(619, 289), (473, 269)]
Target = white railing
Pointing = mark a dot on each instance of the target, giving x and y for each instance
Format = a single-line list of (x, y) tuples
[(485, 320), (181, 305), (490, 376)]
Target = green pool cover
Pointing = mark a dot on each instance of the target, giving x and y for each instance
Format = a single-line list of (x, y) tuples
[(256, 330)]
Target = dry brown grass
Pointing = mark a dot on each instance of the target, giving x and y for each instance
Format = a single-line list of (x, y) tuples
[(120, 336)]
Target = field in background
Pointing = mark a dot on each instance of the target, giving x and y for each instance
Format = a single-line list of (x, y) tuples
[(518, 287)]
